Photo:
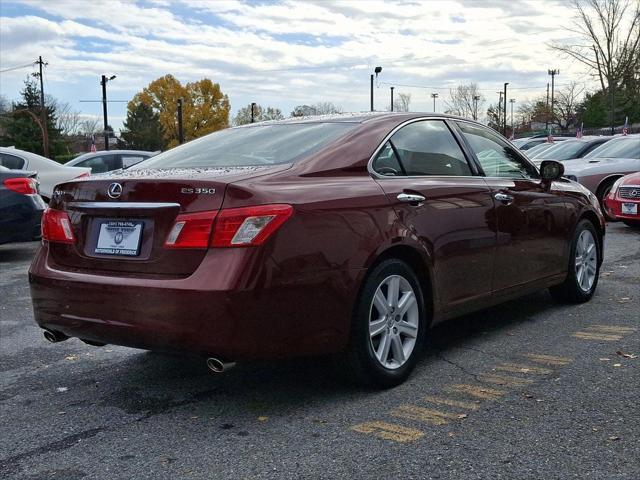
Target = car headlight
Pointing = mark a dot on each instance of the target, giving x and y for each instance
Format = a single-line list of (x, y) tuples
[(614, 187)]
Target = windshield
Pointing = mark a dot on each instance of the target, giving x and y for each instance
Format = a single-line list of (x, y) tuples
[(535, 151), (622, 147), (563, 151), (250, 146)]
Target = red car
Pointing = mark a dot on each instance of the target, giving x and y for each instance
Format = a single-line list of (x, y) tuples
[(623, 201), (345, 235)]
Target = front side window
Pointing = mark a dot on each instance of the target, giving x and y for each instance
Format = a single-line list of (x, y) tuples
[(11, 161), (100, 164), (427, 148), (128, 160), (497, 158)]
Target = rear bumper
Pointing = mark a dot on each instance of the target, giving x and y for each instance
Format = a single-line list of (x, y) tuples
[(614, 208), (237, 314)]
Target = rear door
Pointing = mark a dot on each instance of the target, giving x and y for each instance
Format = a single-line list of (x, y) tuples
[(437, 195), (530, 218)]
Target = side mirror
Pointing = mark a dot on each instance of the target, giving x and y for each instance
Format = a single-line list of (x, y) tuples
[(551, 170)]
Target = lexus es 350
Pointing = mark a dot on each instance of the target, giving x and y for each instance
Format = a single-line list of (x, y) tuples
[(346, 235)]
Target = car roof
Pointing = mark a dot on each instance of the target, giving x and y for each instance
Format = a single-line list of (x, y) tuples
[(30, 156), (355, 117)]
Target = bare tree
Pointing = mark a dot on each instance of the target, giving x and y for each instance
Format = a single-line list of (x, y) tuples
[(465, 101), (566, 104), (404, 101), (610, 33), (320, 108), (68, 120), (89, 126)]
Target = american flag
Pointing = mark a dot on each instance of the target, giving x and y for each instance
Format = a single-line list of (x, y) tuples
[(93, 143), (512, 137), (579, 131), (625, 129), (549, 137)]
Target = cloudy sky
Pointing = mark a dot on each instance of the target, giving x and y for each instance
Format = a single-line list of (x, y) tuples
[(285, 53)]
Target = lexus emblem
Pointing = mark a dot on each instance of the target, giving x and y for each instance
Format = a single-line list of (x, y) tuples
[(114, 190), (634, 193)]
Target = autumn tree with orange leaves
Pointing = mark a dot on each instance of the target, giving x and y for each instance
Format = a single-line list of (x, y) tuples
[(205, 108)]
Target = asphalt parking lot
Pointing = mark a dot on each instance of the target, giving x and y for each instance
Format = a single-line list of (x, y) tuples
[(531, 389)]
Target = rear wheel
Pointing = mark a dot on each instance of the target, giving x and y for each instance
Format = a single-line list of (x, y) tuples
[(388, 326), (601, 193), (584, 266)]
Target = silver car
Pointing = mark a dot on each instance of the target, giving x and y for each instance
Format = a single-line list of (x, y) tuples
[(106, 161)]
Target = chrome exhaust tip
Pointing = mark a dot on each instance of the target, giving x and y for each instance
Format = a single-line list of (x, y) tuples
[(53, 336), (218, 366)]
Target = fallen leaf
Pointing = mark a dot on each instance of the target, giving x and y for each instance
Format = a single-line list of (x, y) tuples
[(62, 389), (451, 434), (263, 418), (195, 417), (594, 429), (528, 395), (614, 438), (617, 364), (626, 355), (604, 359), (462, 415), (71, 357)]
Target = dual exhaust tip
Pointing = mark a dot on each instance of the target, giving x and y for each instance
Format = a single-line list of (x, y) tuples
[(214, 364)]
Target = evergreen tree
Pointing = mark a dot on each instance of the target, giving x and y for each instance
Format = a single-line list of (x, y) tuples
[(142, 129), (22, 129)]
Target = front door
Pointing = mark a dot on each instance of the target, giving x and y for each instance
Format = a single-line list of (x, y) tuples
[(436, 195), (530, 218)]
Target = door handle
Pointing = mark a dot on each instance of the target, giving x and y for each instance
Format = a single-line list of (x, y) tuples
[(410, 198), (504, 198)]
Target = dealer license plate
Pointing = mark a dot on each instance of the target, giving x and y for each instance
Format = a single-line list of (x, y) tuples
[(629, 208), (119, 237)]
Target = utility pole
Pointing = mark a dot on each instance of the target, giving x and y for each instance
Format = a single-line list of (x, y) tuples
[(253, 112), (547, 115), (392, 98), (512, 101), (612, 115), (434, 96), (476, 98), (499, 110), (103, 82), (504, 118), (43, 111), (553, 74), (180, 130)]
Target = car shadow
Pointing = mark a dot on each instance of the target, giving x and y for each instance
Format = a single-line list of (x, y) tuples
[(18, 252)]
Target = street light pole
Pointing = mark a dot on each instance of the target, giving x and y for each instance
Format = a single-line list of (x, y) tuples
[(476, 98), (43, 111), (392, 98), (180, 130), (376, 70), (553, 74), (434, 96), (253, 113), (512, 101), (103, 82), (504, 113)]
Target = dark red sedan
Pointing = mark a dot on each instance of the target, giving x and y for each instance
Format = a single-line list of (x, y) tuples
[(623, 200), (346, 235)]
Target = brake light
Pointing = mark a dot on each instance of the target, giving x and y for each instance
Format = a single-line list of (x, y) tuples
[(191, 230), (82, 175), (248, 226), (56, 227), (24, 186)]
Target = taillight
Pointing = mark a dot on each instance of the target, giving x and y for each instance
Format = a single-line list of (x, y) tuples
[(82, 175), (56, 227), (191, 230), (248, 226), (25, 186)]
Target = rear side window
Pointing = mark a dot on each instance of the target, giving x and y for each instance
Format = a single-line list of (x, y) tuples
[(101, 164), (428, 148), (622, 147), (251, 146), (128, 160), (11, 161), (496, 156)]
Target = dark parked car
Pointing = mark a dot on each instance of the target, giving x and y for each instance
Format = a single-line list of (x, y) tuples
[(570, 149), (345, 235), (20, 206)]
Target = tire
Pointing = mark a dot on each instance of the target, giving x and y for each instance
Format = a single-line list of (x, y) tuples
[(601, 194), (581, 283), (377, 347), (632, 223)]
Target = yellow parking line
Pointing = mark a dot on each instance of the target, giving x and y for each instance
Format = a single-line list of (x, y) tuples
[(483, 393), (388, 431), (505, 380), (548, 359), (451, 403), (611, 329), (519, 368), (433, 417), (597, 336)]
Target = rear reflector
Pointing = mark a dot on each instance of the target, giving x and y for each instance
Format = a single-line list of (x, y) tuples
[(248, 226), (56, 227), (191, 230), (25, 186)]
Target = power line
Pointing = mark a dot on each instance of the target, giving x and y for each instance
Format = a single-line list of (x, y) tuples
[(18, 67)]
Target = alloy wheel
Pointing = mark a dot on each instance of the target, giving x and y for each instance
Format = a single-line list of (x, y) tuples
[(393, 322), (586, 260)]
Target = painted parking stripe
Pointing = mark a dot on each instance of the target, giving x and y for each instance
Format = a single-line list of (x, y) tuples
[(425, 415), (548, 359), (520, 368), (483, 393), (451, 402), (505, 380), (388, 431), (611, 329), (605, 337)]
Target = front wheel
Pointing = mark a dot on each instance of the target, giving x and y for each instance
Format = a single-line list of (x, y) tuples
[(584, 266), (388, 326)]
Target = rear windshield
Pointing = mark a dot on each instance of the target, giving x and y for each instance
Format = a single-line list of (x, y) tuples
[(250, 146), (628, 147), (563, 151)]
